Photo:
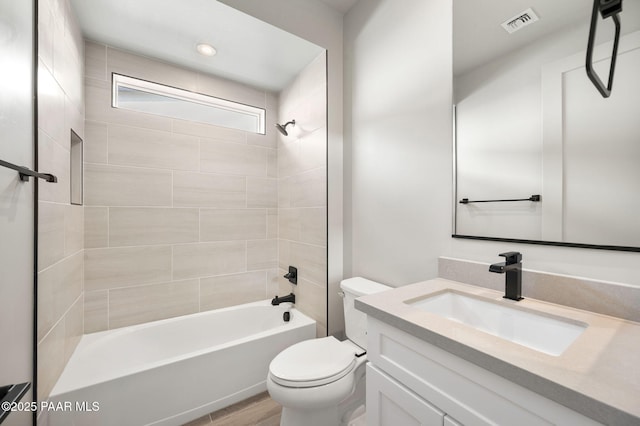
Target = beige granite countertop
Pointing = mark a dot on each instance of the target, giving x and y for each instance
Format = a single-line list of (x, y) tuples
[(598, 375)]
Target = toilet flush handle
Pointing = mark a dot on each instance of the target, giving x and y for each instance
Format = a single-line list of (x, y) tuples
[(341, 294)]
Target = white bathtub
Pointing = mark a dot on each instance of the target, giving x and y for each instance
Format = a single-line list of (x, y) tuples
[(172, 371)]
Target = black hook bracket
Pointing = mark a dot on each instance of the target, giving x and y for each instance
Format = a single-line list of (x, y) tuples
[(606, 8)]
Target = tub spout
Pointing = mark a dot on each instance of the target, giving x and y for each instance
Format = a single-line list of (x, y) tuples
[(291, 298)]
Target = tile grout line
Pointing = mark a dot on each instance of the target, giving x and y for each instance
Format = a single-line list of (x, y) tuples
[(108, 309), (62, 318)]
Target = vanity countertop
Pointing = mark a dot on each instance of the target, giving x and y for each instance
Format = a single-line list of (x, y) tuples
[(598, 375)]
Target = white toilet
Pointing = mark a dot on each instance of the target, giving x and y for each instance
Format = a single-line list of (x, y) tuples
[(321, 382)]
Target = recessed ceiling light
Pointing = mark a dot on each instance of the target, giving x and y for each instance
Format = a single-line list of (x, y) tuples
[(206, 49)]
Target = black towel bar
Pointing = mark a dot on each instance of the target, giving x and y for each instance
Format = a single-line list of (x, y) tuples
[(10, 394), (26, 173), (534, 198)]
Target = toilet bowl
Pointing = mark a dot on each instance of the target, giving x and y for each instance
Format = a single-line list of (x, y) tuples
[(314, 379), (321, 382)]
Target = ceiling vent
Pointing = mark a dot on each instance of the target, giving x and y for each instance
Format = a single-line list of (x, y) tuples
[(520, 21)]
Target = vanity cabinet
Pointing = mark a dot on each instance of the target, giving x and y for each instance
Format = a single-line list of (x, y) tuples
[(413, 382), (395, 404)]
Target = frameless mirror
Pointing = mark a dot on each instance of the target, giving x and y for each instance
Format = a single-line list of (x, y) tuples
[(530, 126)]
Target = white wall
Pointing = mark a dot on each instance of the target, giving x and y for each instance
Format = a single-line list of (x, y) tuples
[(16, 201), (398, 83), (319, 24)]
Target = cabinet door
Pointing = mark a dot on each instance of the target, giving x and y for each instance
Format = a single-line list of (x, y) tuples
[(391, 404)]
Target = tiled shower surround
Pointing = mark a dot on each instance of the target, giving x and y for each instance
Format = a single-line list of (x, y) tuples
[(180, 217), (60, 230), (302, 190)]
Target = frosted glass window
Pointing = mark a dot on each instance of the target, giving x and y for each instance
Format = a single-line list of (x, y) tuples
[(153, 98)]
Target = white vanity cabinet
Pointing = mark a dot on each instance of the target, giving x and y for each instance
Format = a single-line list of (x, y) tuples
[(412, 382), (395, 404)]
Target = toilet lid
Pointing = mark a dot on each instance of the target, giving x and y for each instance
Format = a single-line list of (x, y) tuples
[(313, 363)]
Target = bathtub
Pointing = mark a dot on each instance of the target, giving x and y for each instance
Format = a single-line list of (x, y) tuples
[(172, 371)]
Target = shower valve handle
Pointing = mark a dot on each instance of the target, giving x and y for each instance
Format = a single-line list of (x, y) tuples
[(292, 276)]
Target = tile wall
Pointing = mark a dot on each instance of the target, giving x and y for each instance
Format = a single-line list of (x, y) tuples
[(180, 217), (60, 224), (302, 190)]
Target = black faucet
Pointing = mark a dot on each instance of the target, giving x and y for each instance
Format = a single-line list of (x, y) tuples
[(513, 268), (288, 298)]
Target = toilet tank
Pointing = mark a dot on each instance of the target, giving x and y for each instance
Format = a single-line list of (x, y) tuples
[(354, 320)]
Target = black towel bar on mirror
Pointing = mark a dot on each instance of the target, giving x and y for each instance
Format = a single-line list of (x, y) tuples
[(25, 173), (10, 394), (534, 198)]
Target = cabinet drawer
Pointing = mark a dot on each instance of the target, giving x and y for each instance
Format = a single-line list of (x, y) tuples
[(470, 394), (391, 404)]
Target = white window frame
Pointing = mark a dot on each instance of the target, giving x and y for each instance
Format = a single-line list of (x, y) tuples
[(119, 80)]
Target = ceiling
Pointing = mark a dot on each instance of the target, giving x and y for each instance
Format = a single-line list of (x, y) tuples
[(478, 36), (249, 50), (259, 54), (342, 6)]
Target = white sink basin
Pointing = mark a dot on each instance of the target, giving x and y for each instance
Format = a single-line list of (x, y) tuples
[(551, 335)]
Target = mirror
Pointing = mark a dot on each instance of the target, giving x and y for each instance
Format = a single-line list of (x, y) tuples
[(530, 126)]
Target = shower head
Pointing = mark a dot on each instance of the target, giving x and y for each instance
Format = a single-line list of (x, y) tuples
[(283, 129)]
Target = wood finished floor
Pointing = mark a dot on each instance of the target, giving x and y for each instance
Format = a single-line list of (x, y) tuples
[(259, 410)]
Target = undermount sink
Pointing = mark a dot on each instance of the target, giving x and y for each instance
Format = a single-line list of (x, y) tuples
[(544, 333)]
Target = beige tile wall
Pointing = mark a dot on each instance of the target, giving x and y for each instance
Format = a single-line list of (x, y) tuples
[(302, 191), (60, 224), (180, 217), (608, 298)]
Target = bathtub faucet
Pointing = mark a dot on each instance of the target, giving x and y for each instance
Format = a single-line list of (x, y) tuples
[(291, 298)]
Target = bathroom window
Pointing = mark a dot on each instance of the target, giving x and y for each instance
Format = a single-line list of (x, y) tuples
[(153, 98)]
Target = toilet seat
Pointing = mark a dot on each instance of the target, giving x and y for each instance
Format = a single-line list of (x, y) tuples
[(312, 363)]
